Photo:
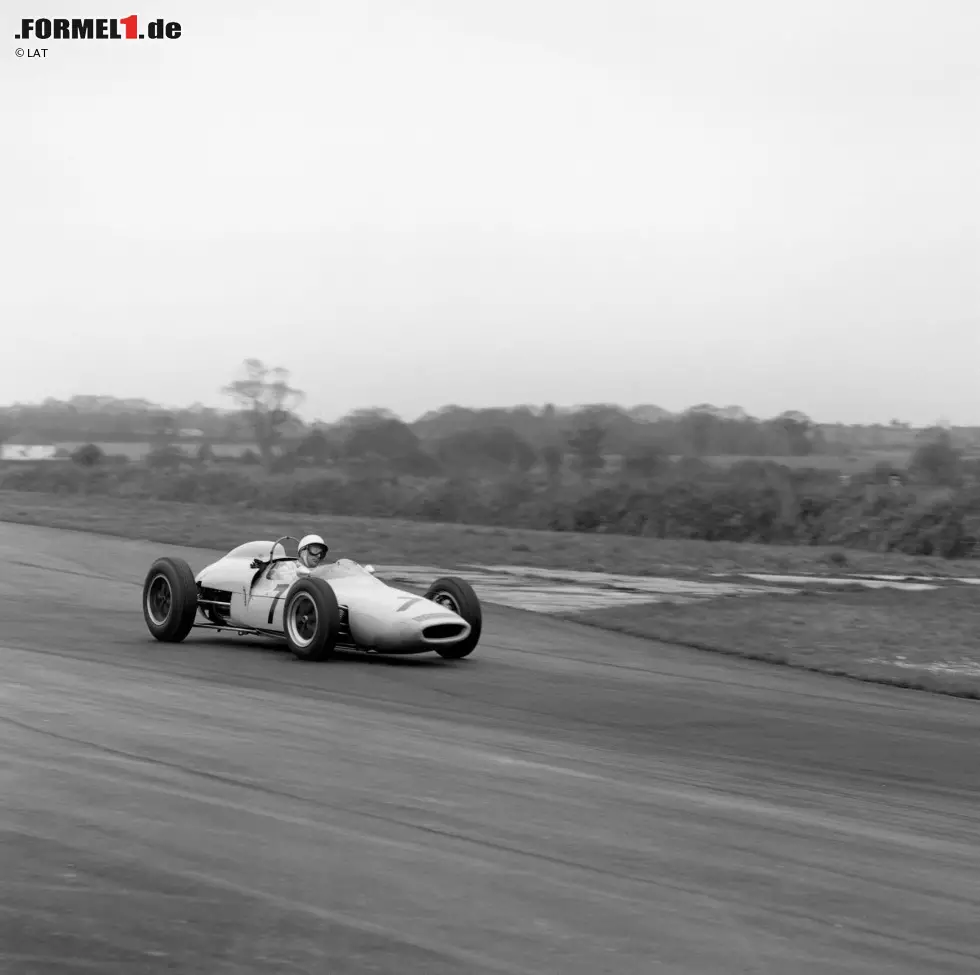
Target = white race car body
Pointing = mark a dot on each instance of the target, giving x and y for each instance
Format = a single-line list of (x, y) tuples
[(374, 616)]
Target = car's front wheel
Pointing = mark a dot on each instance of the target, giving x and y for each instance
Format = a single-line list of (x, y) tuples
[(169, 599), (458, 596), (311, 619)]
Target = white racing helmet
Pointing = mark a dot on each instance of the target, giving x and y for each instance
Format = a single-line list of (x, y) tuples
[(312, 551)]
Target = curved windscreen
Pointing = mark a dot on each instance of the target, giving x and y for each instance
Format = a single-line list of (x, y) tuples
[(341, 569)]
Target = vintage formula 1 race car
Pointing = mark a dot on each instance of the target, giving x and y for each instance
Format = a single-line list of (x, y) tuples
[(256, 589)]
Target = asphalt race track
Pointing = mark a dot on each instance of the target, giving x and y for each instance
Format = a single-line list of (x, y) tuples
[(565, 801)]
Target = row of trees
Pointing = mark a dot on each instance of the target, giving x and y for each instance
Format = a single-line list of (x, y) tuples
[(388, 451), (513, 437), (265, 415), (498, 444)]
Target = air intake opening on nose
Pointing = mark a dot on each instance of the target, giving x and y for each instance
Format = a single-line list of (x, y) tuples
[(443, 631)]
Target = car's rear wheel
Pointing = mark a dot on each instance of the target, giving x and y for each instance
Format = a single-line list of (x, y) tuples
[(311, 619), (458, 596), (169, 600)]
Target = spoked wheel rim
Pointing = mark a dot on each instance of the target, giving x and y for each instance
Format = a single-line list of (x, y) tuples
[(444, 599), (302, 620), (159, 600)]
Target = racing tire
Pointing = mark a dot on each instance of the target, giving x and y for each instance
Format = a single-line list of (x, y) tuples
[(169, 600), (458, 595), (311, 619)]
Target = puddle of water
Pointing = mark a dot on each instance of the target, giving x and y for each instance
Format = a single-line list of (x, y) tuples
[(866, 581), (965, 668), (570, 590), (567, 591), (965, 580), (609, 580)]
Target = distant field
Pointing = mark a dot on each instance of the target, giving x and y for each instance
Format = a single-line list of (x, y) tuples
[(863, 460), (857, 464), (138, 450)]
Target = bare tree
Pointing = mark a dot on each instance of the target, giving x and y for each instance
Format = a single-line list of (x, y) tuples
[(268, 401)]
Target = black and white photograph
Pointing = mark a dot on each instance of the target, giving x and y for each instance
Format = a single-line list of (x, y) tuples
[(490, 488)]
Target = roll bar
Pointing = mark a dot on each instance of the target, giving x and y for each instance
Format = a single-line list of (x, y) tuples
[(278, 541)]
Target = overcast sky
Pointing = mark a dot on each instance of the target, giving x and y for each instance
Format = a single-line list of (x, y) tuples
[(409, 203)]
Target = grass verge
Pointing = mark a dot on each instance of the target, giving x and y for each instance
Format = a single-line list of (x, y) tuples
[(387, 540), (923, 640)]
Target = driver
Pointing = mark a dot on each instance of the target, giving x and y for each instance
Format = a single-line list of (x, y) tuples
[(312, 551)]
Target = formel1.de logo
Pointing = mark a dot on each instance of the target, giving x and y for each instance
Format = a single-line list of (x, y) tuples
[(95, 29)]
